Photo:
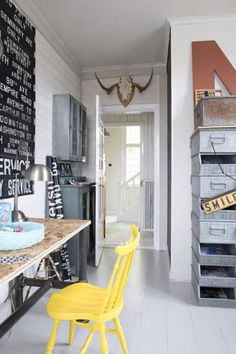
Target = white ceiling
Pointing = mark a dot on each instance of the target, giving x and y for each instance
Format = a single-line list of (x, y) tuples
[(100, 33)]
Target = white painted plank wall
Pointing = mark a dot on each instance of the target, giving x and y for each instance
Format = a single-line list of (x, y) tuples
[(53, 76)]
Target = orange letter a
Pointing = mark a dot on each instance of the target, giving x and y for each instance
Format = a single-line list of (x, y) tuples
[(207, 59)]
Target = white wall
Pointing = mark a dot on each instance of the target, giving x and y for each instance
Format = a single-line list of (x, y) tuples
[(163, 162), (182, 127), (53, 76)]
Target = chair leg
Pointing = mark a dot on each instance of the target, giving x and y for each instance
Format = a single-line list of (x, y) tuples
[(71, 332), (52, 338), (121, 336), (87, 342), (103, 340)]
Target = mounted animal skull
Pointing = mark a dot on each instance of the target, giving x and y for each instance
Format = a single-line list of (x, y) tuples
[(125, 88)]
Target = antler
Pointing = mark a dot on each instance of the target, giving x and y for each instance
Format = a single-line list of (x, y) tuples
[(142, 88), (107, 89)]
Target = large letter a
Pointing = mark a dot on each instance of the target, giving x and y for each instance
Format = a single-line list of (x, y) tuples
[(208, 58)]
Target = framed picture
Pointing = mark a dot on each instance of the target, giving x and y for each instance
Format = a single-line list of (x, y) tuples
[(68, 169)]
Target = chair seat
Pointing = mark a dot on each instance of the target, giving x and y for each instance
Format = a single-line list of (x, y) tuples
[(79, 301)]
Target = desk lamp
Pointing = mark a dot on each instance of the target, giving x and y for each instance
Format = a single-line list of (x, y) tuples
[(35, 172)]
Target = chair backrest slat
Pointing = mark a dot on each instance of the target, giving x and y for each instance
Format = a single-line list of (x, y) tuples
[(123, 283), (117, 282), (119, 277)]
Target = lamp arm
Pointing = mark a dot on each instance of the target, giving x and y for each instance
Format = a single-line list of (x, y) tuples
[(17, 215), (16, 193)]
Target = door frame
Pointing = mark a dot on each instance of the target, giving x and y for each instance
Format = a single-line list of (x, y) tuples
[(146, 108), (100, 197)]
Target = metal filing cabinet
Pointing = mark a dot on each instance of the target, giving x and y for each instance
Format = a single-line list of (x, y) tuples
[(213, 235)]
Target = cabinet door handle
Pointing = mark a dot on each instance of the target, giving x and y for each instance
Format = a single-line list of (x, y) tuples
[(217, 230), (217, 139), (218, 185)]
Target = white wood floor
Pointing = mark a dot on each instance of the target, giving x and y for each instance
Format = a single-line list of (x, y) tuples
[(159, 317)]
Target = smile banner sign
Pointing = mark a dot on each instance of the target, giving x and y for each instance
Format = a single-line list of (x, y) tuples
[(220, 202)]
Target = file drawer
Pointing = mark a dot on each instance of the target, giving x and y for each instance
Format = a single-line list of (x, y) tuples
[(207, 165), (214, 254), (223, 140), (213, 296), (224, 214), (214, 275), (214, 231), (211, 186)]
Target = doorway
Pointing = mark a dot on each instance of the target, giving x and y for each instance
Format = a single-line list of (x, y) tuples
[(129, 155)]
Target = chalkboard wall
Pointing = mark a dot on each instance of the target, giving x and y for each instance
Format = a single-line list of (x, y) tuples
[(17, 97)]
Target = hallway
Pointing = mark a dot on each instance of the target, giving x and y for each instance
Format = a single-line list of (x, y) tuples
[(159, 317)]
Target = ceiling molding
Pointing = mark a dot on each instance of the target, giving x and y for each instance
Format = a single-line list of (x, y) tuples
[(118, 70), (39, 22), (175, 21)]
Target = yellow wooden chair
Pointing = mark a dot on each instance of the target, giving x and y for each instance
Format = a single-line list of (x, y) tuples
[(97, 305)]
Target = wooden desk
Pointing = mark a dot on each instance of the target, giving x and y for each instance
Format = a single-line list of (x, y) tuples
[(57, 232)]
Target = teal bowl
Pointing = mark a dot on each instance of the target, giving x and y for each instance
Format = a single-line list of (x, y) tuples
[(11, 240)]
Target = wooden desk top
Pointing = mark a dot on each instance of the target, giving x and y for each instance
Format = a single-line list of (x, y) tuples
[(57, 232)]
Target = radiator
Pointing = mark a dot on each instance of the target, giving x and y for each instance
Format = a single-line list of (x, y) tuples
[(148, 205)]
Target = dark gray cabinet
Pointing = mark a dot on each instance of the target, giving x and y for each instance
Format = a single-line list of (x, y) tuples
[(75, 201), (69, 129), (76, 206)]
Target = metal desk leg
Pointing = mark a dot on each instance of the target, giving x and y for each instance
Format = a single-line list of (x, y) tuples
[(9, 322), (17, 292), (83, 253)]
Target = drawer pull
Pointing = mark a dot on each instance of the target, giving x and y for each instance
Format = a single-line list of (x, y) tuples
[(217, 230), (218, 186), (217, 139)]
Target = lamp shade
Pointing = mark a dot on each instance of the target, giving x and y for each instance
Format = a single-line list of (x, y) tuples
[(38, 172)]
